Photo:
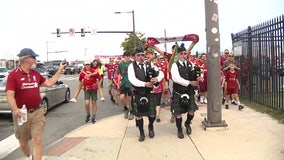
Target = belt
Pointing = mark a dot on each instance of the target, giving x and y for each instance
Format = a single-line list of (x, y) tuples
[(34, 109)]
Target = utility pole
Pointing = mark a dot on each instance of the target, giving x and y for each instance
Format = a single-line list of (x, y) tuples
[(214, 105)]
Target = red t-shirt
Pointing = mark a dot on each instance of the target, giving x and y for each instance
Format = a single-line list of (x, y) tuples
[(90, 82), (163, 66), (26, 87), (231, 79), (110, 70)]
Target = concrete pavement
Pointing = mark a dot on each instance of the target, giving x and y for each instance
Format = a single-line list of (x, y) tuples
[(249, 135)]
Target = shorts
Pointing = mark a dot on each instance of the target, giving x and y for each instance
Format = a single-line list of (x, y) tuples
[(34, 126), (158, 97), (109, 84), (90, 94), (232, 91), (203, 86), (126, 90)]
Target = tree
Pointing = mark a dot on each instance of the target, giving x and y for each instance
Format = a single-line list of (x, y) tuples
[(127, 45)]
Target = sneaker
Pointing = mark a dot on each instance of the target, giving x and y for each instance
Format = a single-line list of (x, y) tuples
[(130, 116), (226, 106), (94, 120), (87, 118), (205, 101), (241, 107), (223, 101), (126, 114), (29, 158), (234, 103), (103, 99), (74, 100)]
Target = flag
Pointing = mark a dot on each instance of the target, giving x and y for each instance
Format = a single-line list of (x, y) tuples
[(174, 57)]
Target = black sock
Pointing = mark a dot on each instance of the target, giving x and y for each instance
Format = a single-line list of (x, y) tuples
[(139, 124), (151, 121), (178, 123), (189, 118)]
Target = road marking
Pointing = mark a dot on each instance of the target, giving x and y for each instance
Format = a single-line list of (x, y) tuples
[(8, 145)]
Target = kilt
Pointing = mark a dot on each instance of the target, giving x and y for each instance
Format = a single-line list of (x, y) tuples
[(176, 109), (147, 110)]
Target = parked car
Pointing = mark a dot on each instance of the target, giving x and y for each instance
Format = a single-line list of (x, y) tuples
[(51, 96), (52, 69), (71, 69), (3, 73), (42, 70)]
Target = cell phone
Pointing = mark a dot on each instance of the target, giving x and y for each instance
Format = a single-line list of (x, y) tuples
[(64, 62)]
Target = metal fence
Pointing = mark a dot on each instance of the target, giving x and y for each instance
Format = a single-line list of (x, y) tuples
[(260, 53)]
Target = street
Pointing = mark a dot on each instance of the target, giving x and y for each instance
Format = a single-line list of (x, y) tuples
[(62, 119)]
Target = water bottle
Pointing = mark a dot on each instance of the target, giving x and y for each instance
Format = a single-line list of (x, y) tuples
[(23, 119), (25, 113)]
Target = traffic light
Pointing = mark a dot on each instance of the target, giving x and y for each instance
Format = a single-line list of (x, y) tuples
[(82, 32), (58, 32)]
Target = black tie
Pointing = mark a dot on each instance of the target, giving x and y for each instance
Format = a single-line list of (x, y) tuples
[(184, 64), (142, 68)]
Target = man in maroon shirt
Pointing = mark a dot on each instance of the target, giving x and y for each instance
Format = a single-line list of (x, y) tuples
[(23, 88), (111, 66)]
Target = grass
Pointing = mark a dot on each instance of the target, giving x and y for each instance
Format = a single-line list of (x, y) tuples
[(276, 114)]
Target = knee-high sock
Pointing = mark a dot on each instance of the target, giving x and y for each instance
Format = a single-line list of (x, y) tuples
[(139, 124), (178, 123), (151, 121), (189, 118)]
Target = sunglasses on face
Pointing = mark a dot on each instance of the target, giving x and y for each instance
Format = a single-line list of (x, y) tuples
[(184, 53), (142, 55), (231, 56)]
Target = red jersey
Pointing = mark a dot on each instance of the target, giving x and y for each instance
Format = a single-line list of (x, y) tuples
[(115, 79), (159, 88), (90, 82), (222, 61), (26, 87), (231, 79), (163, 66), (110, 70)]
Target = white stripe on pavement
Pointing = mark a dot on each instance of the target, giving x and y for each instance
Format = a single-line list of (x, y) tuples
[(8, 145)]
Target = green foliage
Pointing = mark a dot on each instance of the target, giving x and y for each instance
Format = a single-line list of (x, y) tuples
[(128, 44)]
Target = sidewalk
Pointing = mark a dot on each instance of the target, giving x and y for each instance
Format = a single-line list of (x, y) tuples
[(249, 135)]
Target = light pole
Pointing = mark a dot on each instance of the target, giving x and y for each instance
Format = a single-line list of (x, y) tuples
[(133, 24), (47, 50)]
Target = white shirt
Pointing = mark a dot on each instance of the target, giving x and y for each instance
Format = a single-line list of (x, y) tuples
[(138, 83), (176, 76)]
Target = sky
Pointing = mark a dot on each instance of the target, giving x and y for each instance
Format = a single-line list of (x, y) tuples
[(29, 24)]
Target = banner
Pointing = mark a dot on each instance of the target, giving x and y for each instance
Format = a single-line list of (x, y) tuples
[(188, 37)]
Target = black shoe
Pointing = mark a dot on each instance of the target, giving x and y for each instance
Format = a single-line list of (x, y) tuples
[(87, 119), (241, 107), (180, 135), (93, 120), (226, 106), (234, 103), (141, 137), (151, 132), (188, 128), (223, 101)]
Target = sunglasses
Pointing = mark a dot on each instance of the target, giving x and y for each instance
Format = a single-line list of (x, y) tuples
[(142, 55), (183, 53), (231, 56)]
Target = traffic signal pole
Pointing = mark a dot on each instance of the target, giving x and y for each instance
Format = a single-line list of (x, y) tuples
[(214, 105)]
